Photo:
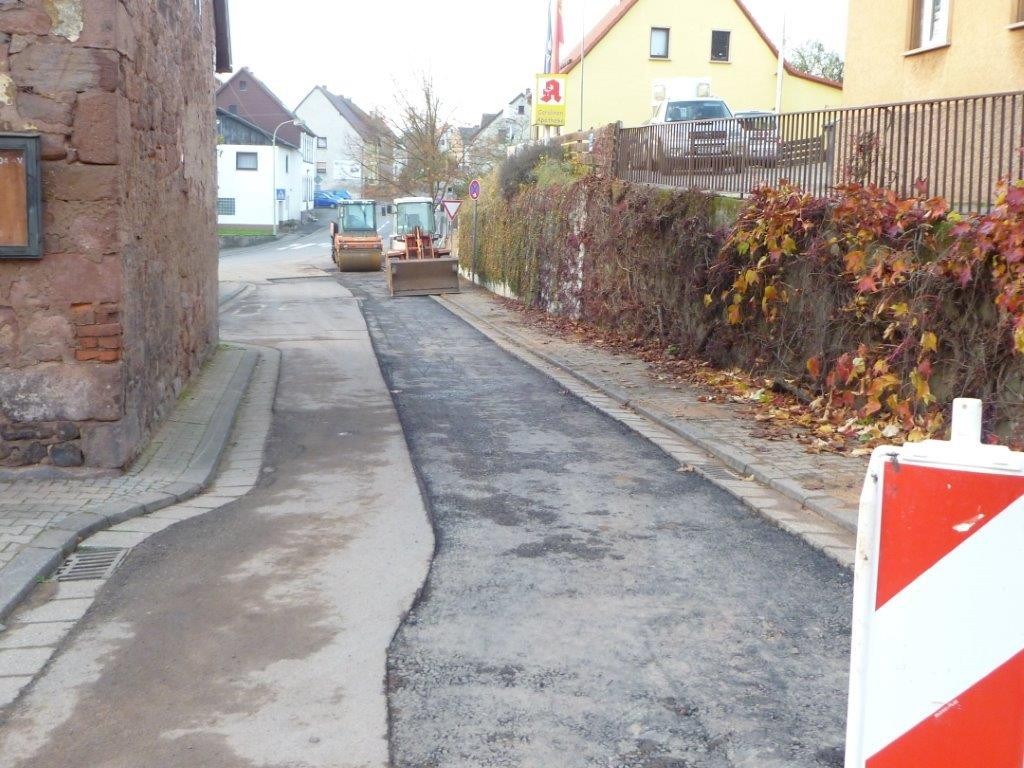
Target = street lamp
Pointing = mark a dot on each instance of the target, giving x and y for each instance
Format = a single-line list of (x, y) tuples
[(273, 160)]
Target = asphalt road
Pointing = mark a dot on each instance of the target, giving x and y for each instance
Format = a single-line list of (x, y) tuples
[(588, 604)]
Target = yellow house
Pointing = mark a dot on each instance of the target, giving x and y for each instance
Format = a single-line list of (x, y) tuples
[(931, 49), (640, 41)]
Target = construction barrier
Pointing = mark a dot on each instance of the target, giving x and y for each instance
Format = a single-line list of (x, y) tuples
[(937, 670)]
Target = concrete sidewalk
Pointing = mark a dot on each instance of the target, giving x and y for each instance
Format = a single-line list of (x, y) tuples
[(828, 485), (44, 514)]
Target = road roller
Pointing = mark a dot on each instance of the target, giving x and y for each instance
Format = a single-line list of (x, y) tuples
[(355, 243)]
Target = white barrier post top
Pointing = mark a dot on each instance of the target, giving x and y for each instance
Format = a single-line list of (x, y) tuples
[(966, 429)]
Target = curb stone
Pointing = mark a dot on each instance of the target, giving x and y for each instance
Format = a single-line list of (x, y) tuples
[(826, 507), (45, 552)]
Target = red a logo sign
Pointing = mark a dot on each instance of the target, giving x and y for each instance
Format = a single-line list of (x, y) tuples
[(552, 92)]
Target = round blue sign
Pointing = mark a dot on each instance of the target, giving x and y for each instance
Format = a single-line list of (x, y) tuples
[(474, 188)]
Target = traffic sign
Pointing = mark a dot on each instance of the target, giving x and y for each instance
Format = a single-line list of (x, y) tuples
[(474, 189), (938, 634), (451, 207)]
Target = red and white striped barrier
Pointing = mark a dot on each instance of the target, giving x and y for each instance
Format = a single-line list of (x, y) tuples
[(937, 673)]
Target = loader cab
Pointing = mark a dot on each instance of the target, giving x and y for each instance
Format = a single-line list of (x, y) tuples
[(409, 214)]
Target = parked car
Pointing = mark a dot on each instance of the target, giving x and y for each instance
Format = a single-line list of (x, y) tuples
[(763, 142), (325, 200), (697, 131)]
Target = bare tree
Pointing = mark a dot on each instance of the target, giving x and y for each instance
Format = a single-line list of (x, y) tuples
[(410, 157), (815, 59)]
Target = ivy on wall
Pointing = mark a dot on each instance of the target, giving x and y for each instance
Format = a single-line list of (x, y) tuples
[(882, 309)]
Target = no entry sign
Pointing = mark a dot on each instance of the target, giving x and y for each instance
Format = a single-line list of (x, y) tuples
[(937, 673)]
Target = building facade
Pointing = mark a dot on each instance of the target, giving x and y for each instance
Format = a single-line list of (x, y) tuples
[(640, 41), (354, 149), (932, 49), (247, 98), (247, 182), (101, 330)]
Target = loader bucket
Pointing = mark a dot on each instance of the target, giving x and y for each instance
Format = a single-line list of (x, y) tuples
[(423, 277)]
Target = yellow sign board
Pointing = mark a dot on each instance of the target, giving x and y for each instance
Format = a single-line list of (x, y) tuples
[(549, 100)]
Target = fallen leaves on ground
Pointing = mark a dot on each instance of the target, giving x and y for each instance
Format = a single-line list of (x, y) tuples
[(778, 410)]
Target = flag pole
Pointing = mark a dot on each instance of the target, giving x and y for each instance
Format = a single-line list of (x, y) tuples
[(781, 71), (583, 53)]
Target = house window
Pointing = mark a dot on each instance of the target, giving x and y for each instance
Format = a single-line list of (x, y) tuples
[(720, 45), (929, 25), (243, 85), (225, 206), (659, 43), (321, 169), (247, 161), (286, 170), (521, 109), (321, 142)]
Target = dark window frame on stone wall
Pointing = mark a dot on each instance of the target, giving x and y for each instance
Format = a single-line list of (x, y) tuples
[(28, 144)]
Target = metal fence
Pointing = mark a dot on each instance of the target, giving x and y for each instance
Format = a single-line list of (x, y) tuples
[(954, 148)]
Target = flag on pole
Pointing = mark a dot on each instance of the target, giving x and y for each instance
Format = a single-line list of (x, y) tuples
[(559, 37), (556, 37), (549, 47)]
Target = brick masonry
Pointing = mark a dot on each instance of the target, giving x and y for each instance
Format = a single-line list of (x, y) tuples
[(99, 337)]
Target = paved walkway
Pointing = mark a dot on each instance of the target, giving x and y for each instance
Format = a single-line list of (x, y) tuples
[(43, 512), (827, 484)]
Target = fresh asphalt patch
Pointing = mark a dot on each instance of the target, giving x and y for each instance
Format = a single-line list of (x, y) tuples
[(589, 605)]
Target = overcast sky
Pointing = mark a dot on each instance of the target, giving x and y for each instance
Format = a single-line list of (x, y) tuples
[(479, 53)]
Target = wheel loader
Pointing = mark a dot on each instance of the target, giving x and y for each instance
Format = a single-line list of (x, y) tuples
[(355, 244), (419, 262)]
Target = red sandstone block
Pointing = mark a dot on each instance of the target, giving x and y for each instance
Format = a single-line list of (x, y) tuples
[(53, 146), (100, 24), (25, 21), (47, 66), (89, 343), (52, 114), (109, 355), (84, 355), (109, 342), (63, 181), (97, 330), (83, 314), (96, 128)]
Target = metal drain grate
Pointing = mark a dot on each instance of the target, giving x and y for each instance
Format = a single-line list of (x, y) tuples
[(716, 472), (89, 564)]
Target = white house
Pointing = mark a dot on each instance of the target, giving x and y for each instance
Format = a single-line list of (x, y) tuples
[(248, 186), (353, 147), (249, 117), (498, 130)]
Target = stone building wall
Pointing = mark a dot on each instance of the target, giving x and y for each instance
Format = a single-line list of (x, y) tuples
[(99, 336)]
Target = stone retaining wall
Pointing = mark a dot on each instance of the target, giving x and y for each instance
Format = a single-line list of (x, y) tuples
[(99, 336)]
